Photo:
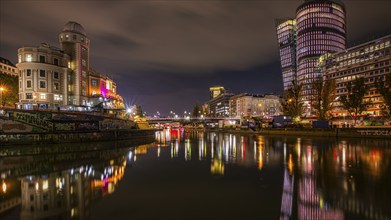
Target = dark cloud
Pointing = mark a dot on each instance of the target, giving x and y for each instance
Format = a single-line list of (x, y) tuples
[(165, 54)]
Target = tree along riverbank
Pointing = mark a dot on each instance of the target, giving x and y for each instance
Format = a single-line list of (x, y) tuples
[(361, 132)]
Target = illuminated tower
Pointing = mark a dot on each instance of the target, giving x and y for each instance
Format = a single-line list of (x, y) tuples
[(320, 29), (216, 91), (74, 42), (286, 36)]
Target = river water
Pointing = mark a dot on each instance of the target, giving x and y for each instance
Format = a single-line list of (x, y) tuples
[(199, 175)]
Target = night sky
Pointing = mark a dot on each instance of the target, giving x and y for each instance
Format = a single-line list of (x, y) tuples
[(164, 55)]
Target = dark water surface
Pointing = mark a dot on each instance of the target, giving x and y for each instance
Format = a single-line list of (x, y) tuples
[(199, 175)]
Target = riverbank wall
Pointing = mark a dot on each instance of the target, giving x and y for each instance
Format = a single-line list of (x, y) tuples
[(71, 137), (361, 132), (33, 127)]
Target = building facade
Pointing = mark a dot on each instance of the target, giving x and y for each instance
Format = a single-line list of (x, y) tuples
[(43, 77), (219, 106), (74, 42), (370, 60), (254, 105), (7, 67), (61, 78), (286, 37), (320, 29), (216, 91)]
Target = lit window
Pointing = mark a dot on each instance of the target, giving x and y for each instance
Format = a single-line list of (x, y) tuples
[(29, 58), (20, 58), (42, 96), (94, 83), (29, 96), (45, 183)]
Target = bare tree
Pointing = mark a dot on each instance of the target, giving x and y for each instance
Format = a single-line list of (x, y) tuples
[(291, 104), (323, 98), (384, 88), (354, 102)]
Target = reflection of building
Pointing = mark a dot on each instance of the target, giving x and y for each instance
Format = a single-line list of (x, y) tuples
[(286, 36), (7, 67), (370, 60), (60, 196)]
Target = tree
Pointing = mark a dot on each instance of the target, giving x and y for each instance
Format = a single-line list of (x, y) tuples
[(291, 104), (354, 102), (384, 88), (9, 95), (323, 98), (196, 111)]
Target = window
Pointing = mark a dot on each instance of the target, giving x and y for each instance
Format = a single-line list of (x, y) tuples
[(84, 62), (29, 96), (42, 84), (56, 75), (55, 61), (57, 97), (28, 72), (42, 59), (42, 73), (56, 86), (28, 83), (29, 58), (94, 83), (19, 58), (42, 96)]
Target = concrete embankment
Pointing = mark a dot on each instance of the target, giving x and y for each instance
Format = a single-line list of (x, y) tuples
[(80, 136), (362, 132)]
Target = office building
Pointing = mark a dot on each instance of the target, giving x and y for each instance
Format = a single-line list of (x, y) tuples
[(286, 36), (371, 60)]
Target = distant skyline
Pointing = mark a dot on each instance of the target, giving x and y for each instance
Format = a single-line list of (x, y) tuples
[(164, 55)]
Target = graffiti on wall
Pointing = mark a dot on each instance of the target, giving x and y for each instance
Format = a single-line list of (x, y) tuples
[(87, 126), (64, 126), (110, 124), (8, 126), (35, 119), (375, 132), (75, 117)]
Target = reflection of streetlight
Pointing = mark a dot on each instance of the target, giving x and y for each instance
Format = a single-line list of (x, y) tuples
[(1, 96)]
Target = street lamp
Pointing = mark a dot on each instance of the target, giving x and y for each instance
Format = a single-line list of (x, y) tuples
[(1, 96)]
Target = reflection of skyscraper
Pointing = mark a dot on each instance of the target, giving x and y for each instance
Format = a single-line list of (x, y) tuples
[(311, 205), (287, 196)]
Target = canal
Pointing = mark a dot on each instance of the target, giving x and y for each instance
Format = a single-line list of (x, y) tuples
[(199, 175)]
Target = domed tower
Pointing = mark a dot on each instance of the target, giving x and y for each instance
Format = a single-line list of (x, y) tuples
[(74, 42), (320, 29)]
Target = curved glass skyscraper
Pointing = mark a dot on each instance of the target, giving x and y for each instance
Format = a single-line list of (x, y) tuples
[(320, 29)]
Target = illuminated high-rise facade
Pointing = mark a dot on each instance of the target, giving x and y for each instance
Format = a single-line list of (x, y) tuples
[(74, 42), (286, 36), (320, 29)]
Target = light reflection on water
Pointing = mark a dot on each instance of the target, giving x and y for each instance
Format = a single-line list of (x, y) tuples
[(319, 178)]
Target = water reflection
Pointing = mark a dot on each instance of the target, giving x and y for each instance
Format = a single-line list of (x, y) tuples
[(319, 178)]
